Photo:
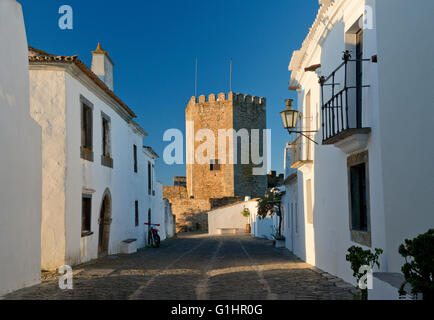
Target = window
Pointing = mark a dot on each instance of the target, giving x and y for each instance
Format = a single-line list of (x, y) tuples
[(359, 76), (136, 207), (86, 209), (106, 159), (150, 186), (135, 157), (359, 212), (214, 165), (86, 129), (153, 170), (358, 185)]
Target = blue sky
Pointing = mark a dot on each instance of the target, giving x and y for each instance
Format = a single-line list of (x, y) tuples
[(154, 45)]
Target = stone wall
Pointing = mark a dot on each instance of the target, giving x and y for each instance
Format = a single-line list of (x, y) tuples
[(274, 180), (179, 181), (191, 213), (250, 113), (225, 115), (211, 114), (174, 192)]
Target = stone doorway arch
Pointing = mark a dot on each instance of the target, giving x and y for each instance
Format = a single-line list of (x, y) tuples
[(104, 221)]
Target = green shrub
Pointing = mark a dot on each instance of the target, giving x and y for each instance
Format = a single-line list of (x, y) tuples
[(418, 269), (359, 257)]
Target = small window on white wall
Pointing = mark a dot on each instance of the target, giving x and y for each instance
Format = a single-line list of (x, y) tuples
[(106, 159)]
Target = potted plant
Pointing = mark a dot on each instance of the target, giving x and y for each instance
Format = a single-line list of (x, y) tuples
[(418, 269), (246, 213), (362, 258)]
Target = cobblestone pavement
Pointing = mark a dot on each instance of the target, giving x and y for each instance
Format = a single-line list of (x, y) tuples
[(196, 266)]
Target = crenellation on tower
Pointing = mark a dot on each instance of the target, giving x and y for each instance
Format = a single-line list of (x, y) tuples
[(230, 97), (211, 97), (192, 100), (221, 96), (202, 98)]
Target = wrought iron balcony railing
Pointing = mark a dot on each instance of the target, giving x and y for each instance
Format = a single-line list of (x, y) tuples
[(341, 114)]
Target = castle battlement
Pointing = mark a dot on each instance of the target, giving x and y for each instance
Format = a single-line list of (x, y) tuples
[(230, 97)]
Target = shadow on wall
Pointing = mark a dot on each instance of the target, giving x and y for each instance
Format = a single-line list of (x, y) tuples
[(192, 221)]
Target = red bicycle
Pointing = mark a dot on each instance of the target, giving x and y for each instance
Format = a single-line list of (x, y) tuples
[(153, 236)]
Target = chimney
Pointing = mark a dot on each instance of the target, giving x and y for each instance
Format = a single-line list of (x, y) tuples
[(102, 66)]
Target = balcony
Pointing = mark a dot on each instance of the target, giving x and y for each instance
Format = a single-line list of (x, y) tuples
[(301, 152), (341, 113)]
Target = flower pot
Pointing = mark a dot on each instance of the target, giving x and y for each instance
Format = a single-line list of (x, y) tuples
[(248, 228)]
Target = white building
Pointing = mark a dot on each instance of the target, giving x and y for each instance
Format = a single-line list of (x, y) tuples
[(20, 164), (369, 180), (230, 220), (99, 184)]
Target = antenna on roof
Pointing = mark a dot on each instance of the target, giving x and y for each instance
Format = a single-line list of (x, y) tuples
[(230, 76), (195, 79)]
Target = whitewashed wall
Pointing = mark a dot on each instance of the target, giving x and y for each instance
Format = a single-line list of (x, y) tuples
[(298, 232), (20, 165), (44, 110), (401, 201), (124, 184), (407, 148), (329, 176), (229, 217), (262, 227), (55, 97)]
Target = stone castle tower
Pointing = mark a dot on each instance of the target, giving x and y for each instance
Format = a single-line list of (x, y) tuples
[(229, 172), (214, 182)]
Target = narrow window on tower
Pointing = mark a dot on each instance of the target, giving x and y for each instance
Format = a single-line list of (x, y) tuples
[(214, 165)]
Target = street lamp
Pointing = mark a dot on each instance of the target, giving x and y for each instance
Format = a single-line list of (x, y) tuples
[(290, 117)]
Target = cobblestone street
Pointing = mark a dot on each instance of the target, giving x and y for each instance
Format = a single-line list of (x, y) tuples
[(196, 266)]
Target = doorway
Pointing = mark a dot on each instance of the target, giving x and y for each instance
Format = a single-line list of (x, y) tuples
[(104, 224)]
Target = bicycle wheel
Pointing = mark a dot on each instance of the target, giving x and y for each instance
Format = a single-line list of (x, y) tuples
[(150, 239), (154, 241), (157, 241)]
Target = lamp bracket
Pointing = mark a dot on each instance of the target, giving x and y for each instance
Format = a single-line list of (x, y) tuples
[(303, 134)]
